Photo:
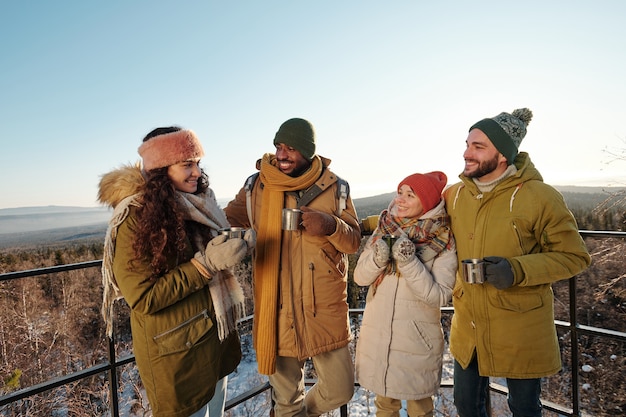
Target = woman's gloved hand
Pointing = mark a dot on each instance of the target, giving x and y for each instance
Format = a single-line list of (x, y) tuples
[(221, 253), (250, 238), (403, 251), (381, 253)]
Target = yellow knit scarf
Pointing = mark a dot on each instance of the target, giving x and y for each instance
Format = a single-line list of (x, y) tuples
[(267, 260)]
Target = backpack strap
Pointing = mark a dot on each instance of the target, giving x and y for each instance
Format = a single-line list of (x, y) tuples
[(343, 191), (248, 187)]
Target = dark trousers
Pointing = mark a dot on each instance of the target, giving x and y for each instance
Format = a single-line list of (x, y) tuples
[(471, 390)]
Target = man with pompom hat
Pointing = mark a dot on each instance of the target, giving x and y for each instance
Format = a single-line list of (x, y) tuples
[(502, 212)]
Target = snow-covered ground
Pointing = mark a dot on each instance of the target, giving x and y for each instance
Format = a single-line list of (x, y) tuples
[(362, 404)]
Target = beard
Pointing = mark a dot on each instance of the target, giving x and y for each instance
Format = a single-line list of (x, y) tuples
[(484, 168)]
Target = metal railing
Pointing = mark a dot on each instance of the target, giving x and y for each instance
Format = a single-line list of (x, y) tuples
[(114, 363)]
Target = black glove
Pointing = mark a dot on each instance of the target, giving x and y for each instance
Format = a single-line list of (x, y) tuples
[(498, 272)]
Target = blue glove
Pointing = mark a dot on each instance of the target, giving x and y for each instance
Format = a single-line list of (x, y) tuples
[(498, 272)]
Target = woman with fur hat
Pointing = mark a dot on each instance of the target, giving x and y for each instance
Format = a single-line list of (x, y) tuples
[(400, 346), (164, 255)]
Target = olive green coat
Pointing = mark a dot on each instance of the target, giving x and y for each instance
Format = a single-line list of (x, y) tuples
[(175, 342), (526, 221)]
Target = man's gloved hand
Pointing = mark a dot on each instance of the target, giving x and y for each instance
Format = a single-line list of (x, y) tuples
[(317, 223), (381, 253), (250, 238), (498, 272), (222, 253), (403, 251)]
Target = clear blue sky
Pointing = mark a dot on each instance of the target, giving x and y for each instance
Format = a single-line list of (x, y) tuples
[(391, 87)]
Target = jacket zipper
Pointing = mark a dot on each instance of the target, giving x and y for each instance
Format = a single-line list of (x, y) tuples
[(519, 239), (312, 269), (204, 313)]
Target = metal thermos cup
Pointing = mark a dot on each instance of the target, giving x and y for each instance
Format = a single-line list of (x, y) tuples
[(473, 271), (291, 218), (233, 232)]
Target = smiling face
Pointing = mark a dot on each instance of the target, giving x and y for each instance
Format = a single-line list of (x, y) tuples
[(407, 203), (290, 161), (185, 175), (482, 160)]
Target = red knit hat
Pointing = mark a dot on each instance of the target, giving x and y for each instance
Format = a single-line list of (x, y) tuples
[(427, 187)]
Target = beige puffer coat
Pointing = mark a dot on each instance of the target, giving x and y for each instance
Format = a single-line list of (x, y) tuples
[(400, 345)]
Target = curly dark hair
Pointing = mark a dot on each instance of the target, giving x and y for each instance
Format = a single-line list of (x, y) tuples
[(161, 230)]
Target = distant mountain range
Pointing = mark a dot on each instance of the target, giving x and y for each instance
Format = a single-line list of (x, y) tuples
[(60, 224)]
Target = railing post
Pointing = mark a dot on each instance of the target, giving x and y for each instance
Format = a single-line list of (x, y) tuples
[(113, 385), (574, 341)]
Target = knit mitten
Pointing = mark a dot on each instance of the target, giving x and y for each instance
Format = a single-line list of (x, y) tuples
[(381, 253), (403, 251)]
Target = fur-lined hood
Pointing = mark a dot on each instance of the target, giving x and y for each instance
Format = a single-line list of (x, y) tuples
[(120, 183)]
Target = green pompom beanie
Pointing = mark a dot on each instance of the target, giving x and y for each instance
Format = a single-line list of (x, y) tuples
[(299, 134), (506, 131)]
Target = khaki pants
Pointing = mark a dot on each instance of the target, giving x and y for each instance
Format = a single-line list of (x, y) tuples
[(334, 387), (390, 407)]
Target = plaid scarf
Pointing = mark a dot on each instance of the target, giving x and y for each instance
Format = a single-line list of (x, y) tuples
[(429, 235)]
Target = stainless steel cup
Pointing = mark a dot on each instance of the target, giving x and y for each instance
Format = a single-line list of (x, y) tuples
[(291, 218), (473, 271), (389, 240), (233, 232)]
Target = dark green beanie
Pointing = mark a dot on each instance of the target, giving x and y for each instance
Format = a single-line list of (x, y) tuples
[(299, 134), (506, 131)]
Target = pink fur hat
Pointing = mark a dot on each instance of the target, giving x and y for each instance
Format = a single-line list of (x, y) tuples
[(169, 149)]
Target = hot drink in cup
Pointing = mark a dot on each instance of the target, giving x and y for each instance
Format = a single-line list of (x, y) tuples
[(473, 271)]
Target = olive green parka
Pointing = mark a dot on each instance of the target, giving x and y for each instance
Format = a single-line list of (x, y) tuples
[(522, 219), (175, 339)]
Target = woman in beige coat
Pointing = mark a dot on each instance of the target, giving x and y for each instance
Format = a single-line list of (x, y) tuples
[(400, 346)]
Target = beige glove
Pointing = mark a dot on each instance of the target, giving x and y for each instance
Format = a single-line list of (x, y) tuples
[(381, 253), (221, 253), (250, 238), (403, 251)]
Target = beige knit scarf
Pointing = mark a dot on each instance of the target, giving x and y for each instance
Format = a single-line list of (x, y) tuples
[(226, 292), (267, 260)]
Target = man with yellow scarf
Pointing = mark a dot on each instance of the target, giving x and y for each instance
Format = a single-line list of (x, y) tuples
[(300, 276)]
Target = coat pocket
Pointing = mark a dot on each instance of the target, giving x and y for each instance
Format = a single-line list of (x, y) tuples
[(519, 303), (423, 336), (185, 335), (337, 267)]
